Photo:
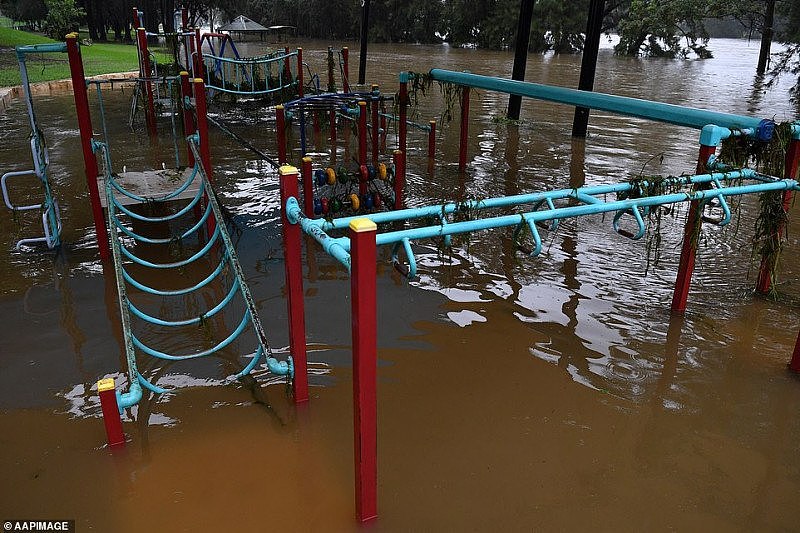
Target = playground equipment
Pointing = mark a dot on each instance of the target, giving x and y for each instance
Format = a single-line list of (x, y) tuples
[(48, 208), (714, 183), (199, 218)]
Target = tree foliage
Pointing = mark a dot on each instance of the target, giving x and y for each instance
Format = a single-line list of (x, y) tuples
[(63, 17)]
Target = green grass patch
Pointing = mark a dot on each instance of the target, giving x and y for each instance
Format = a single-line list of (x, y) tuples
[(98, 58)]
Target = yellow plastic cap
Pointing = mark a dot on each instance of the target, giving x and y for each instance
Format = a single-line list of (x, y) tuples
[(286, 170), (105, 384), (73, 35), (198, 80), (306, 159), (363, 224), (184, 73)]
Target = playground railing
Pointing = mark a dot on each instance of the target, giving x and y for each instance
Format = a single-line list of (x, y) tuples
[(251, 76)]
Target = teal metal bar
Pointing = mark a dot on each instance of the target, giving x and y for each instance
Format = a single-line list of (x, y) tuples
[(622, 105)]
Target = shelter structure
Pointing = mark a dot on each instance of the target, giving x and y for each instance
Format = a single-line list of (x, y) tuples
[(243, 26)]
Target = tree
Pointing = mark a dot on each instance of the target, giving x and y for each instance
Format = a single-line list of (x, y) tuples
[(664, 28), (788, 61), (63, 17)]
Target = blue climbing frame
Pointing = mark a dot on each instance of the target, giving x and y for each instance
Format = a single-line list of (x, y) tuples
[(51, 219)]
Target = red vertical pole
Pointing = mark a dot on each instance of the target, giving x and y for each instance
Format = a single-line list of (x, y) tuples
[(294, 285), (399, 177), (375, 127), (136, 21), (111, 418), (432, 139), (363, 298), (144, 71), (287, 70), (188, 119), (792, 161), (85, 127), (689, 248), (205, 146), (402, 130), (346, 69), (280, 133), (186, 46), (184, 18), (362, 145), (308, 187), (300, 72), (198, 55), (794, 364), (462, 147)]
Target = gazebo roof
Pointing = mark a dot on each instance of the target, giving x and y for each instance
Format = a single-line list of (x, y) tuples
[(242, 23)]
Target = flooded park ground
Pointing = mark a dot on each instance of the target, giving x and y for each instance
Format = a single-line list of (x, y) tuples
[(514, 393)]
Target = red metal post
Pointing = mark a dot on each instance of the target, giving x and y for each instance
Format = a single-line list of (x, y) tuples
[(689, 248), (431, 139), (375, 127), (363, 298), (186, 40), (399, 158), (144, 72), (308, 187), (402, 127), (287, 69), (205, 146), (362, 145), (85, 127), (294, 284), (198, 55), (184, 18), (794, 364), (280, 133), (346, 69), (136, 21), (792, 161), (188, 118), (300, 72), (462, 147), (111, 418)]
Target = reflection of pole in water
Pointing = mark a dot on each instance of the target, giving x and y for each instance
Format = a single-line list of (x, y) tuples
[(756, 95), (68, 316), (577, 163)]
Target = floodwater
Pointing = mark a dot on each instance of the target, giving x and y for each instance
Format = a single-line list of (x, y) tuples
[(554, 393)]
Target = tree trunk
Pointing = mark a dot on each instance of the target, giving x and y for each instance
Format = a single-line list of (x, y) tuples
[(766, 38)]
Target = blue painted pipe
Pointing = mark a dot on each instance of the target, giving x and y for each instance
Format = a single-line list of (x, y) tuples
[(130, 398), (332, 246), (622, 105)]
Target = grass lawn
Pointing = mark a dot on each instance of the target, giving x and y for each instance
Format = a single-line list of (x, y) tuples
[(98, 58)]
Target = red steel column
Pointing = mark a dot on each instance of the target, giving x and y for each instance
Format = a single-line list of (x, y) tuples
[(294, 285), (362, 146), (346, 69), (308, 187), (688, 249), (792, 162), (280, 133), (188, 118), (184, 27), (794, 364), (300, 72), (402, 130), (111, 418), (136, 21), (375, 128), (144, 71), (462, 148), (198, 56), (432, 139), (85, 127), (363, 298), (205, 146), (399, 177), (287, 70)]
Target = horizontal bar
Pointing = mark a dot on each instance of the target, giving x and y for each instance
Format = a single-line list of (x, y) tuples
[(39, 49), (623, 105)]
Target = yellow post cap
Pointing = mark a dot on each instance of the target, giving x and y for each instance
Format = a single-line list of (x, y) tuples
[(184, 73), (362, 102), (105, 384), (363, 224), (279, 106), (286, 170), (198, 80), (73, 35), (306, 159)]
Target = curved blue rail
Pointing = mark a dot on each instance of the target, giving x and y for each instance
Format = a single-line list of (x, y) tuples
[(253, 76), (227, 267)]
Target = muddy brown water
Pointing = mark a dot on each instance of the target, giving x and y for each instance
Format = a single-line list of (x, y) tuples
[(514, 393)]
